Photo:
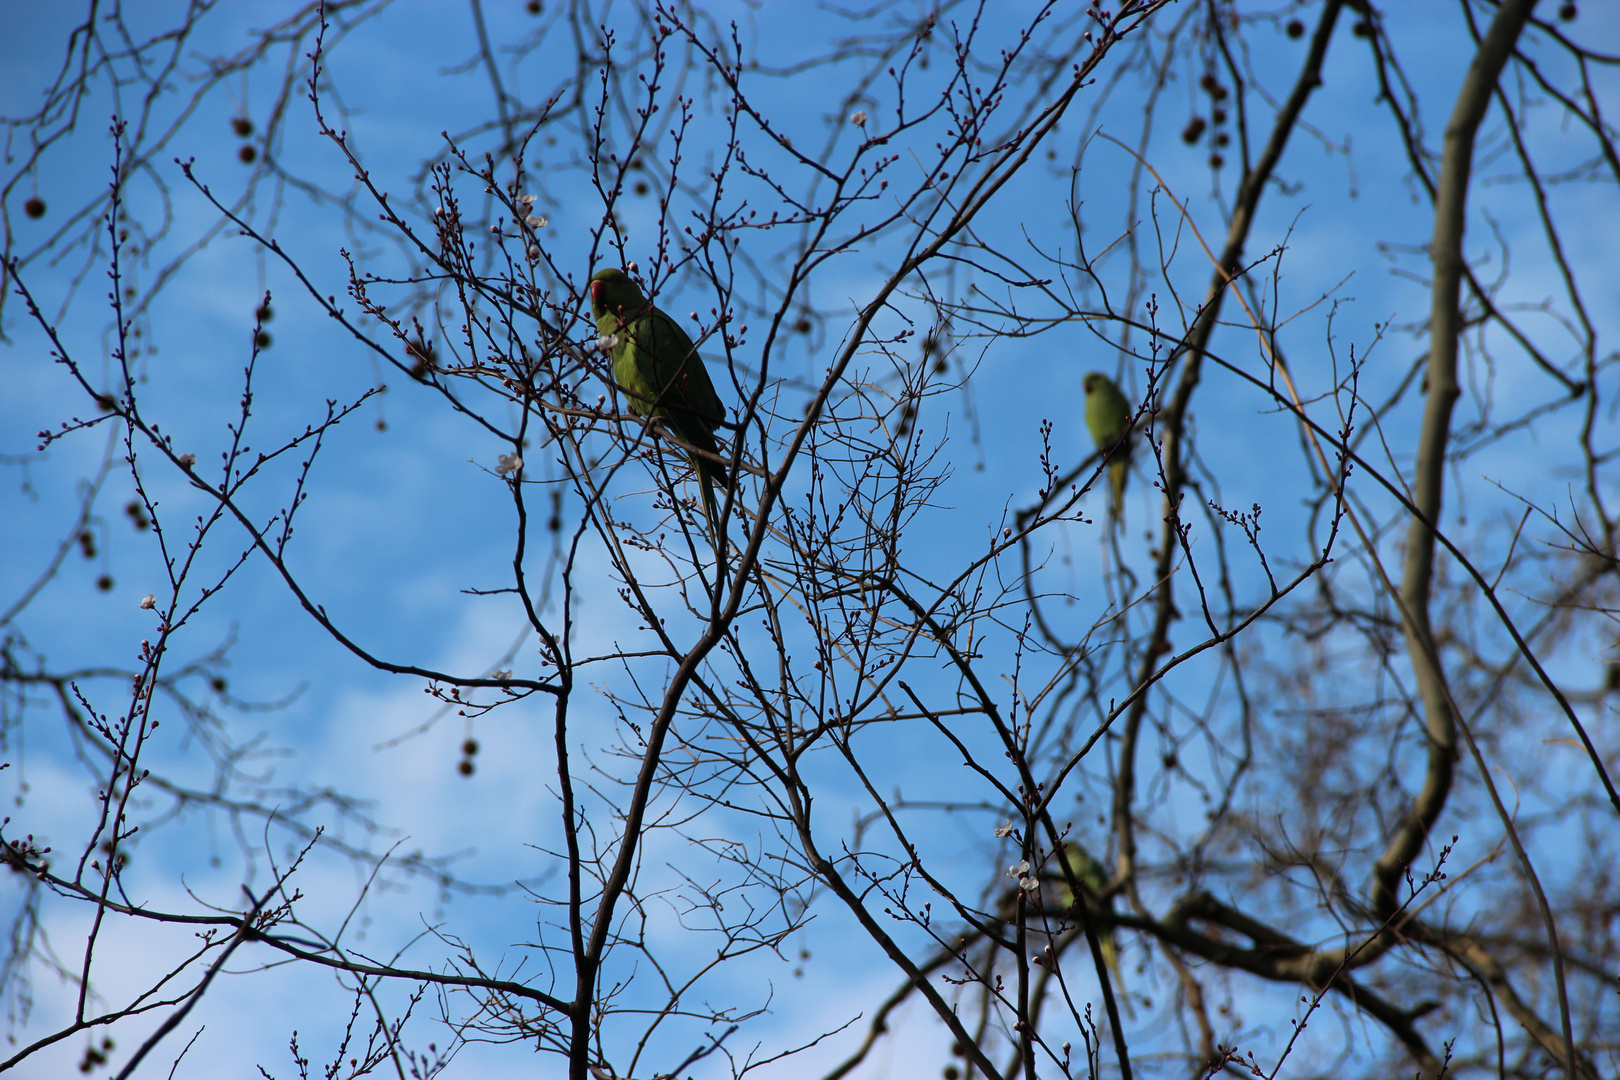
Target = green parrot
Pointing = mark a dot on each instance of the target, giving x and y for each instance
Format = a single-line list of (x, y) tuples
[(1094, 880), (662, 375), (1108, 415)]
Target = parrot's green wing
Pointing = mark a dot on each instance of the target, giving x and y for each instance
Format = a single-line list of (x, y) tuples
[(686, 399), (1108, 417)]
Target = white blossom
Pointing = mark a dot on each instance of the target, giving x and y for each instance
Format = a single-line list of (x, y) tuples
[(536, 221), (526, 200), (1029, 883), (187, 459), (509, 463), (607, 342), (1004, 829), (148, 602), (501, 675), (858, 118), (1018, 869)]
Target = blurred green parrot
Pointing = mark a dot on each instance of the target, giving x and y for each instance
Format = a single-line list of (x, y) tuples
[(1108, 416), (1094, 879), (662, 376)]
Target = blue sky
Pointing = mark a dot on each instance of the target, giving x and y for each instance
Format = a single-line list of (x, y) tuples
[(407, 513)]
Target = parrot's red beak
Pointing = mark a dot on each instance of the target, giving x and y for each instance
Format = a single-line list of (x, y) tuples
[(596, 292)]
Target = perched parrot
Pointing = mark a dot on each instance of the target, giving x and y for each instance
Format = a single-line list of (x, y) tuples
[(1094, 880), (1108, 415), (662, 375)]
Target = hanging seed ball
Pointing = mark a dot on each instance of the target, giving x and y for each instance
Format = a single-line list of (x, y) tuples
[(247, 155), (1295, 28), (34, 207), (470, 747), (420, 354)]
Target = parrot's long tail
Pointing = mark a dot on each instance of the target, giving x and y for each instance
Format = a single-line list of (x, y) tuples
[(1117, 473), (1110, 952), (709, 473)]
